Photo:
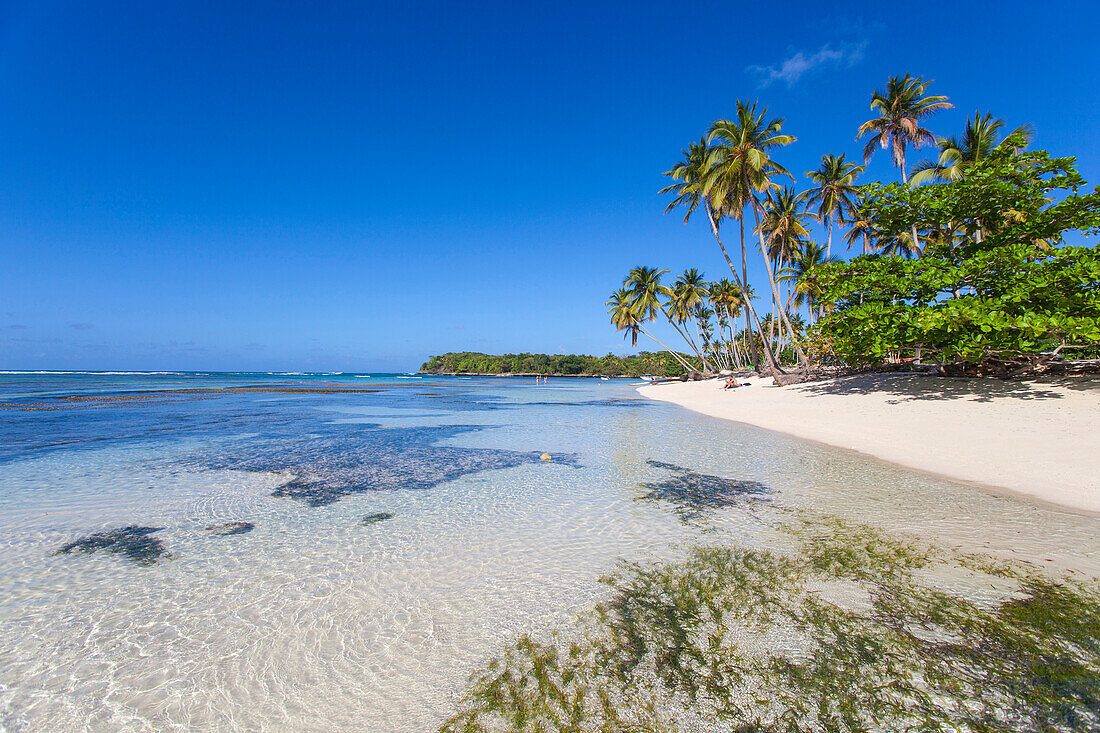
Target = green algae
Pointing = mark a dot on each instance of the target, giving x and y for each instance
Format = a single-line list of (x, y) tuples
[(851, 630)]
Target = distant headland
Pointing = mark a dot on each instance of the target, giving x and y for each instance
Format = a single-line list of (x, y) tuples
[(472, 363)]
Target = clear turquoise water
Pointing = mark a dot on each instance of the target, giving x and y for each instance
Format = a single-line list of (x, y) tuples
[(315, 620)]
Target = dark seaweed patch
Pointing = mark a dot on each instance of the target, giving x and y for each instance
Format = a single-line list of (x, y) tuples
[(231, 528), (312, 493), (695, 493), (132, 542), (610, 402), (340, 460), (374, 518)]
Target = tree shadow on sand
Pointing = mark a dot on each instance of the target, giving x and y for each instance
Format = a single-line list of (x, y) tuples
[(907, 387)]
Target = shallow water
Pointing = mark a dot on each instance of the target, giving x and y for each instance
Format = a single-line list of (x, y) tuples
[(399, 536)]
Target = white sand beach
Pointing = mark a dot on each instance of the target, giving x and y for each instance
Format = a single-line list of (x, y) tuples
[(1041, 440)]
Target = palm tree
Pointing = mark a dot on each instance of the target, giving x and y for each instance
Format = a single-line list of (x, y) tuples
[(861, 228), (623, 316), (627, 316), (803, 273), (689, 173), (687, 293), (741, 167), (784, 230), (783, 224), (958, 154), (835, 194), (902, 107), (702, 315), (900, 244), (644, 284), (692, 174), (738, 167), (726, 299)]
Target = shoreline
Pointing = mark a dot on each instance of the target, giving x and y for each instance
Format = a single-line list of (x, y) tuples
[(1038, 441), (526, 374)]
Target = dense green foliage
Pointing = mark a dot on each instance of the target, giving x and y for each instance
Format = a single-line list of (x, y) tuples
[(995, 287), (849, 631), (471, 362)]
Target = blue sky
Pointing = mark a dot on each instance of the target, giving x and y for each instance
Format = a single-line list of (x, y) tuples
[(356, 186)]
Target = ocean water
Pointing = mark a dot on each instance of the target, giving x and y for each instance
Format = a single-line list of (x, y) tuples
[(339, 552)]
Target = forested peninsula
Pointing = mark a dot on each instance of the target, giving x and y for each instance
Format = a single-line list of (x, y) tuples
[(556, 365)]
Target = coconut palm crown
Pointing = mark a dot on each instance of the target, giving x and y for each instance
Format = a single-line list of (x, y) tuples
[(958, 154), (740, 165), (901, 108), (835, 194), (783, 223), (688, 174)]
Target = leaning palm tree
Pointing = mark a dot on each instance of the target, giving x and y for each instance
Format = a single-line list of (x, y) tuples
[(651, 296), (806, 289), (958, 154), (626, 316), (691, 174), (835, 194), (901, 108), (741, 168)]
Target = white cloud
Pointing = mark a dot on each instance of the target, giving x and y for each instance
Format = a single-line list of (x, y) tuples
[(792, 68)]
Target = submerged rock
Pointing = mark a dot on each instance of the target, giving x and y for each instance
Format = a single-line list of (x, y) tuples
[(374, 518), (231, 528), (132, 542)]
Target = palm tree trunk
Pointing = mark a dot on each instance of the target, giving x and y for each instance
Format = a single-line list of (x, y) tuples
[(829, 241), (905, 180), (771, 280), (703, 351), (745, 290), (684, 336), (731, 345), (775, 370), (675, 356), (736, 347)]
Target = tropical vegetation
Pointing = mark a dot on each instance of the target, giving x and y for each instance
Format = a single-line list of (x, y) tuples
[(977, 261)]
